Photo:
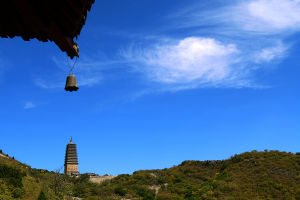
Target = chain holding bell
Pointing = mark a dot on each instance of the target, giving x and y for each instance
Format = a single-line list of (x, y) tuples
[(71, 84)]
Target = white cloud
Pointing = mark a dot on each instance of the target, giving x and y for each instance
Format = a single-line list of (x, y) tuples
[(192, 62), (29, 105), (270, 15), (271, 53), (242, 17)]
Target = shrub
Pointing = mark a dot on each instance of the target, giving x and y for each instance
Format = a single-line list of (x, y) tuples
[(146, 194), (120, 191), (18, 193), (42, 196), (13, 175)]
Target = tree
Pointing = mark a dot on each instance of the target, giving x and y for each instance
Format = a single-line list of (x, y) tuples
[(60, 185)]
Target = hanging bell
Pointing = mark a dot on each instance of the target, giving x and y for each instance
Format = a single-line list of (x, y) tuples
[(71, 84)]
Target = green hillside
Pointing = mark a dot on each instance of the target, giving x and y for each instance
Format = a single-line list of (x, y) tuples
[(20, 181), (251, 175)]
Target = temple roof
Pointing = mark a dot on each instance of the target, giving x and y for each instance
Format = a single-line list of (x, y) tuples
[(46, 20)]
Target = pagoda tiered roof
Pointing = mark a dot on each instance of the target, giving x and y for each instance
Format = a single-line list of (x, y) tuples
[(71, 154)]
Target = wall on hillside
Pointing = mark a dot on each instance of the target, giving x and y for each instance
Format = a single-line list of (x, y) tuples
[(100, 179)]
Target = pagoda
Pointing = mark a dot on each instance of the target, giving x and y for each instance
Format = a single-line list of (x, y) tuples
[(71, 160)]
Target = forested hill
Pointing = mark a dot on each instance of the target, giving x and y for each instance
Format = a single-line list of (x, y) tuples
[(251, 175)]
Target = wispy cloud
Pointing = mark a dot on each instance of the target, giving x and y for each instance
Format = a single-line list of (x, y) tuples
[(228, 44), (269, 54), (88, 71), (268, 16), (59, 81), (242, 17), (48, 84), (29, 105), (189, 63)]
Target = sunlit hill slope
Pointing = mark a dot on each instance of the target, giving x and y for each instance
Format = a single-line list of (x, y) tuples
[(251, 175)]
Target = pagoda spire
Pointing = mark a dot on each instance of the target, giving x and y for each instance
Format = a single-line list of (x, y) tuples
[(71, 140)]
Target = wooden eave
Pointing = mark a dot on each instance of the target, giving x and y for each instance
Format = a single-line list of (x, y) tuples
[(59, 21)]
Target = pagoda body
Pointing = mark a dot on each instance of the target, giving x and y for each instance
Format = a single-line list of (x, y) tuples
[(71, 160)]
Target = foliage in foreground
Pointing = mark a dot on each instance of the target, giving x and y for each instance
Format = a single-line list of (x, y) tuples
[(251, 175)]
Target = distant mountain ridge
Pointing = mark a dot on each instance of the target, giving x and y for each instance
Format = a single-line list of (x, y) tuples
[(250, 175)]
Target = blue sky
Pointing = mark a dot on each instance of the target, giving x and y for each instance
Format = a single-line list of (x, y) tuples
[(160, 82)]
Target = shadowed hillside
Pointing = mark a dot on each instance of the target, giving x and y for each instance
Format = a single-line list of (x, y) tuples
[(251, 175)]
